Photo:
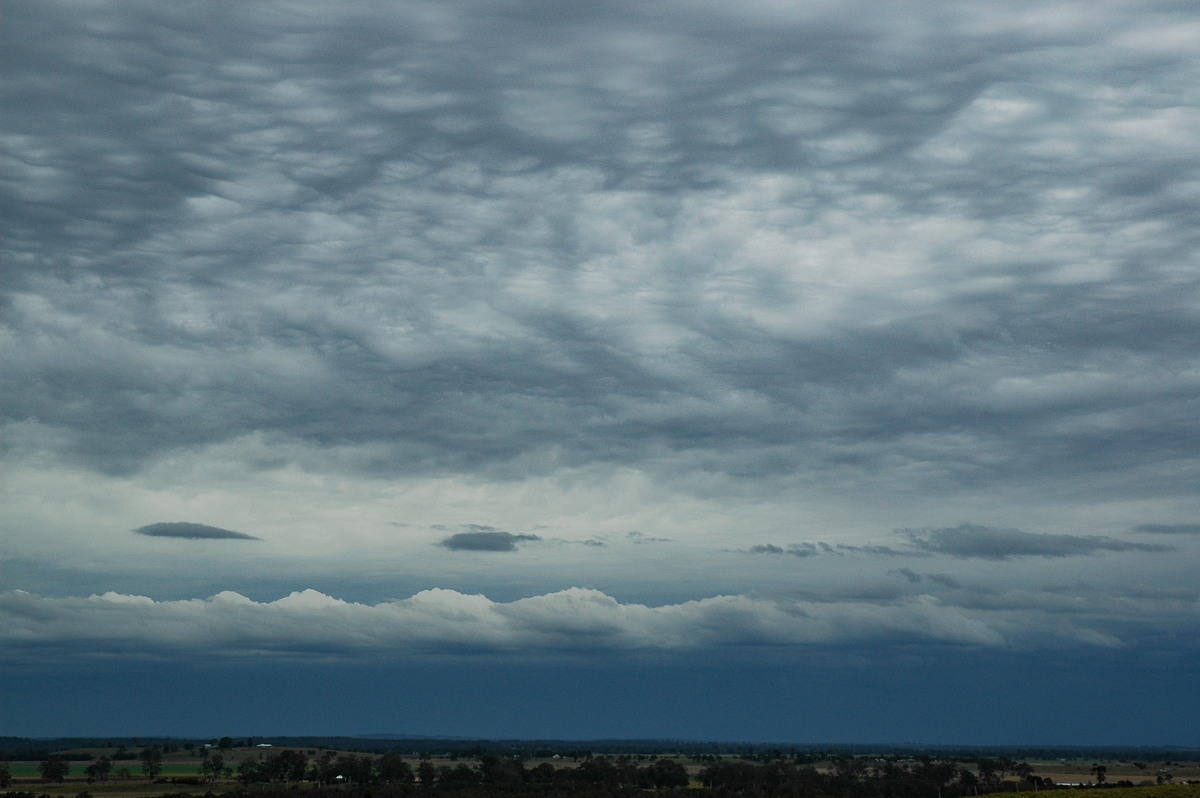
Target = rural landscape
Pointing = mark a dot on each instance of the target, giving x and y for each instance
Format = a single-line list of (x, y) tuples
[(521, 393), (368, 767)]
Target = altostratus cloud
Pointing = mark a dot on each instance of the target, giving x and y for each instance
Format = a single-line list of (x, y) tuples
[(991, 543), (1168, 529), (577, 619), (185, 529), (983, 542)]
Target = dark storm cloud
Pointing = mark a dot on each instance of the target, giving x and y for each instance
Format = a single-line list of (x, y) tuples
[(1168, 529), (184, 529), (475, 238), (485, 540), (992, 543)]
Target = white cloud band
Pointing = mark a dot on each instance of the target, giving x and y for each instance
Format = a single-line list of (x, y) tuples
[(446, 621)]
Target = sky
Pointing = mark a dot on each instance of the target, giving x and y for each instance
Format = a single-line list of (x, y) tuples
[(808, 371)]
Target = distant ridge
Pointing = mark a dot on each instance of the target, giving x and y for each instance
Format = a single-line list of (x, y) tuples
[(30, 747)]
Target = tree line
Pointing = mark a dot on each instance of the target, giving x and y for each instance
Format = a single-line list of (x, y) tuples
[(282, 771)]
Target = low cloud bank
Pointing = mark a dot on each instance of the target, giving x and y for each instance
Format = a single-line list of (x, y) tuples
[(573, 620)]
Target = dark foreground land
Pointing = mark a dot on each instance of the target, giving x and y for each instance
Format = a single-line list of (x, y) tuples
[(313, 768)]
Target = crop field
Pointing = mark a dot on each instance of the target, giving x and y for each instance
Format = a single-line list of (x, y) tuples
[(120, 789), (29, 770)]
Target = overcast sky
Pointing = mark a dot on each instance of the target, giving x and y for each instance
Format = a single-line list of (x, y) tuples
[(798, 371)]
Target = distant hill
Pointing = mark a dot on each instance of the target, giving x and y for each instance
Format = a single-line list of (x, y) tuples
[(32, 748)]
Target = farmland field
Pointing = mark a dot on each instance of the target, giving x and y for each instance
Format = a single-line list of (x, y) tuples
[(29, 770), (120, 789)]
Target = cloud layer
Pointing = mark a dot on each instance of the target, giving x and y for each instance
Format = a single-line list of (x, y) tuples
[(579, 620), (887, 251), (982, 542), (972, 540), (446, 300)]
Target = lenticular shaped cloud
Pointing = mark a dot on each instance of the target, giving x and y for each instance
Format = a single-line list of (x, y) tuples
[(573, 620), (992, 543), (485, 541), (184, 529)]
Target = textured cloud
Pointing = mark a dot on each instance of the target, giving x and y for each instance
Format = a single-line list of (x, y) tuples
[(184, 529), (990, 543), (945, 248)]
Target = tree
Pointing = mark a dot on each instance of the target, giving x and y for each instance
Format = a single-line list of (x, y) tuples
[(151, 762), (1100, 772), (597, 771), (394, 770), (969, 781), (249, 770), (288, 766), (99, 770), (989, 771), (5, 776), (667, 773), (212, 766), (325, 770), (54, 769), (461, 775)]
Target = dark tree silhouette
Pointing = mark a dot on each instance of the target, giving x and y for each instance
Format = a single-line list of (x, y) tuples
[(54, 769)]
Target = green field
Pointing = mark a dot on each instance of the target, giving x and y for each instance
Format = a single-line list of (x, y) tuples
[(29, 770), (120, 789)]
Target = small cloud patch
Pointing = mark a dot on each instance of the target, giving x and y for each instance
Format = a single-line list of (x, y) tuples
[(638, 537), (938, 579), (485, 541), (184, 529), (795, 549)]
